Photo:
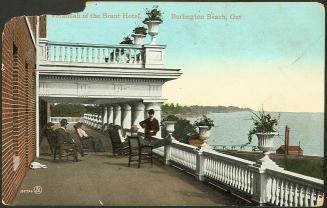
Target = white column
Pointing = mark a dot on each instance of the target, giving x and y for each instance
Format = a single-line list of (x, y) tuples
[(117, 115), (104, 115), (157, 113), (37, 107), (126, 116), (48, 112), (110, 117), (137, 114)]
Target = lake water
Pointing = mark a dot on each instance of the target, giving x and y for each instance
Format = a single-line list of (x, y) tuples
[(233, 128)]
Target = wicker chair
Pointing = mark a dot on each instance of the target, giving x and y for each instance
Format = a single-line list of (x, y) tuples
[(138, 152), (65, 149)]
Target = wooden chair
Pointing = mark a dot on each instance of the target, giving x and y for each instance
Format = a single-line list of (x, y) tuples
[(66, 149), (138, 152), (118, 147)]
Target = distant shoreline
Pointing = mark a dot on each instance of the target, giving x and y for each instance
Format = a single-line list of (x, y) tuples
[(198, 114)]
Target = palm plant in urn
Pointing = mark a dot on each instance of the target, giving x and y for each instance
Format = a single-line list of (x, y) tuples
[(153, 19), (265, 130), (204, 124), (169, 123)]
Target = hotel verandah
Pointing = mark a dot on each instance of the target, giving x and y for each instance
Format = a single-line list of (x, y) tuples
[(26, 48)]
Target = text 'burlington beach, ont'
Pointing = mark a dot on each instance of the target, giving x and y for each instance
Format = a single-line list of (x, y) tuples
[(209, 16)]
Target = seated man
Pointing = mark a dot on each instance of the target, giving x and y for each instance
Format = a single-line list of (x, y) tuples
[(64, 139), (118, 142), (81, 132), (120, 133), (50, 135), (84, 138)]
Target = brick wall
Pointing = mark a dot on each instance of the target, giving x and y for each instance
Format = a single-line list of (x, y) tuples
[(18, 104), (43, 26)]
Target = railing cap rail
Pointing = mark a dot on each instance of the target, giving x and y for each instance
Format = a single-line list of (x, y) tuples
[(189, 147), (95, 45), (299, 177), (227, 157)]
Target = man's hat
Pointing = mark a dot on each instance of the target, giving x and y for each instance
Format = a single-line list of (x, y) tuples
[(50, 124), (63, 122), (151, 111)]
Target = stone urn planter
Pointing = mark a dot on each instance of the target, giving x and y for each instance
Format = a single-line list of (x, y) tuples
[(153, 28), (204, 124), (265, 128), (170, 127), (138, 39), (204, 134), (266, 144), (266, 141)]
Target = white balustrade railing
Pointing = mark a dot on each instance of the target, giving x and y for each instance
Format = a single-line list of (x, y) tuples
[(231, 171), (261, 185), (285, 188), (69, 119), (159, 151), (91, 53), (183, 154)]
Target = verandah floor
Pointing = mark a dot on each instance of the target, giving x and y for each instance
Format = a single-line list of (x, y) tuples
[(102, 179)]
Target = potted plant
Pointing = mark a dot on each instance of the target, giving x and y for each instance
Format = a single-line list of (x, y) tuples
[(139, 34), (204, 124), (169, 123), (127, 40), (153, 19), (265, 130)]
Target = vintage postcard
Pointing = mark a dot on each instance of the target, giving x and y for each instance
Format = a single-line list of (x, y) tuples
[(165, 103)]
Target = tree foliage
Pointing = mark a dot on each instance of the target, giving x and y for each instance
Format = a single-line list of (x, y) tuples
[(171, 108), (183, 130), (93, 109), (67, 110)]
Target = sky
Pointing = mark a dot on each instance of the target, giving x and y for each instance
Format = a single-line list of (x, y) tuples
[(250, 55)]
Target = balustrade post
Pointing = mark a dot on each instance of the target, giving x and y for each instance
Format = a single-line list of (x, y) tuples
[(43, 45), (167, 154), (154, 56), (260, 185), (199, 171)]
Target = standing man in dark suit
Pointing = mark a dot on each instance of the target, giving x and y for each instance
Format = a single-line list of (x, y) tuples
[(64, 139), (150, 125)]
